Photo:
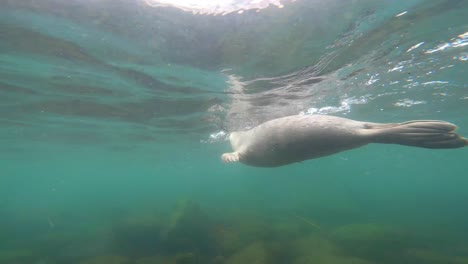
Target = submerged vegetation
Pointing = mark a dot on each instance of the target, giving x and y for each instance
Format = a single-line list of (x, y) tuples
[(188, 235)]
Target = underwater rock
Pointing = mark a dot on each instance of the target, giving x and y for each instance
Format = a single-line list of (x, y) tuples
[(433, 257), (138, 237), (460, 260), (253, 254), (250, 227), (330, 260), (427, 256), (190, 230), (227, 239), (107, 260), (314, 245), (373, 241), (152, 260), (71, 246), (279, 251), (315, 249), (18, 256), (187, 258)]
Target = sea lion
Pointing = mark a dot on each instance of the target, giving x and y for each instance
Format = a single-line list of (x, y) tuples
[(297, 138)]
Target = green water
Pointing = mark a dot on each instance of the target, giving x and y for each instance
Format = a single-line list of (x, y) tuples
[(113, 117)]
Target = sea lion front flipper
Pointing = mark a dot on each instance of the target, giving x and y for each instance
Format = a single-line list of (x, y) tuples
[(230, 157)]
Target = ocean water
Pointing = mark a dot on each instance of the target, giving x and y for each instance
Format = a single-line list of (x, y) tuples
[(114, 115)]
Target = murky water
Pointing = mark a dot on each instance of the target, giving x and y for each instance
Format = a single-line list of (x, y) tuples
[(114, 115)]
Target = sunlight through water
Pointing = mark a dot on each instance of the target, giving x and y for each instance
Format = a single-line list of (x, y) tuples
[(218, 7)]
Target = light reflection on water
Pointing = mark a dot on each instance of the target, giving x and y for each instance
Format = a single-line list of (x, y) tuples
[(220, 7)]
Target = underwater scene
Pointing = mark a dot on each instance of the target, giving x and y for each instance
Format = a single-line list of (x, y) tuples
[(115, 115)]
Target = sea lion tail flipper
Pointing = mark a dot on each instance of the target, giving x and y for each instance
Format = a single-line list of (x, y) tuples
[(230, 157), (432, 134)]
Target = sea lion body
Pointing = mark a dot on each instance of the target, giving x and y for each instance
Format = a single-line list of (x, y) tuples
[(297, 138)]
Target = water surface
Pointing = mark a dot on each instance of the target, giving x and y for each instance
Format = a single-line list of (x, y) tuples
[(113, 117)]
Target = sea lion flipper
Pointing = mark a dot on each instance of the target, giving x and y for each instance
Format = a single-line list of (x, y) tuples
[(230, 157)]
